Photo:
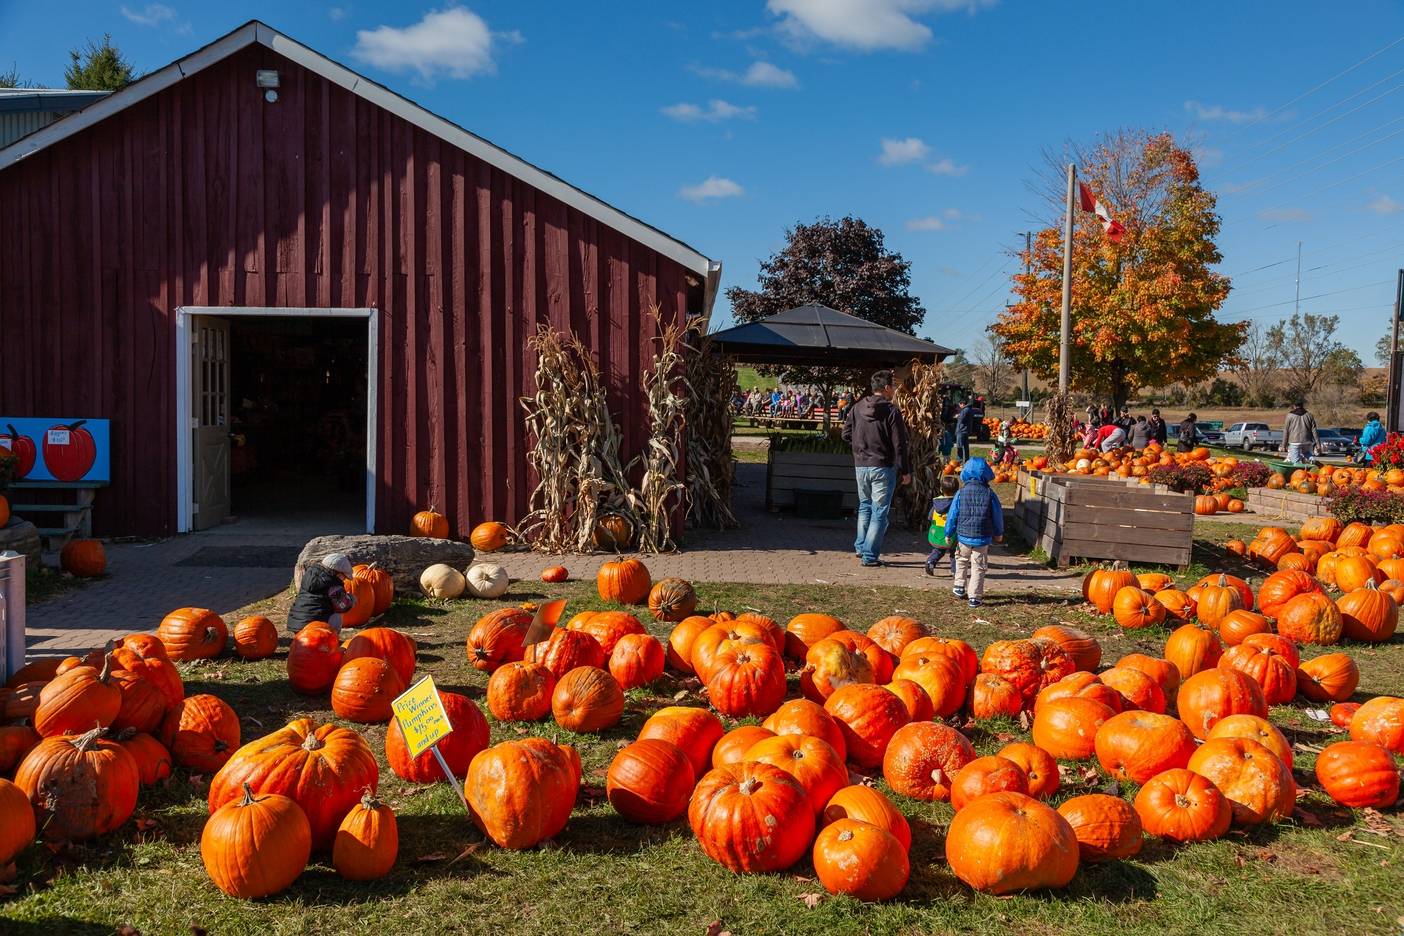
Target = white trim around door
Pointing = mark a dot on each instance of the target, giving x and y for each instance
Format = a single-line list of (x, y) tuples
[(185, 497)]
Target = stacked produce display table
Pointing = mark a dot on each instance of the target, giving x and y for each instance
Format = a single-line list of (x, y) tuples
[(1075, 516)]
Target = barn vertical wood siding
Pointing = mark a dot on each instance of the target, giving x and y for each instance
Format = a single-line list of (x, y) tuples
[(206, 195)]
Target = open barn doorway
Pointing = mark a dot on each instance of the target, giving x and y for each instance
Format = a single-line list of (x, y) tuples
[(281, 428)]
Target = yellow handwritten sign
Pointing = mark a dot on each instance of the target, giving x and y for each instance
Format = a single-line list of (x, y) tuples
[(421, 715)]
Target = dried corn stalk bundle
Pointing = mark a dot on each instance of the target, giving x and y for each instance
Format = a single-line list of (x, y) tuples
[(575, 450), (661, 490), (711, 384), (1062, 439), (918, 397)]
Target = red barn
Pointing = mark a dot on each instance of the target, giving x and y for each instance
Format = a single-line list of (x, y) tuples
[(289, 288)]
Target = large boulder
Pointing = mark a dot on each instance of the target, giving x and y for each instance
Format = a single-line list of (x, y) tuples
[(22, 537), (404, 557)]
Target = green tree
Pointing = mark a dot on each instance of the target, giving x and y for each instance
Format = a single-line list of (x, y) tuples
[(1143, 309), (1305, 345), (11, 79), (1383, 347), (98, 67), (844, 265)]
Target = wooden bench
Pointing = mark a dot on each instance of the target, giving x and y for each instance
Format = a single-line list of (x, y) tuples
[(59, 522)]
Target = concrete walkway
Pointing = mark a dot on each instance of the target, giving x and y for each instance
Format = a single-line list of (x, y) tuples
[(234, 565)]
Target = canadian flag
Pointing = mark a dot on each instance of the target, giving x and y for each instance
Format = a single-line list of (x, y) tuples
[(1110, 226)]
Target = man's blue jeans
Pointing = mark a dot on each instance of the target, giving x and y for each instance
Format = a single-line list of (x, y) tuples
[(875, 489), (963, 446)]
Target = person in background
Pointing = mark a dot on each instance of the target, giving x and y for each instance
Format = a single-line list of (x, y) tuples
[(775, 398), (1159, 431), (936, 533), (1110, 438), (1125, 421), (966, 421), (974, 521), (322, 595), (1299, 438), (1189, 433), (1372, 435), (874, 428), (1140, 434)]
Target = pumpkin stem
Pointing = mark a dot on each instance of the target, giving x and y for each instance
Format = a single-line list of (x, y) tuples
[(368, 800), (846, 835), (248, 795), (87, 740), (1223, 580), (312, 743), (749, 785), (106, 664)]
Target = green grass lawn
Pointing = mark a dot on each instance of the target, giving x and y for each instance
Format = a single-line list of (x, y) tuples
[(1327, 875)]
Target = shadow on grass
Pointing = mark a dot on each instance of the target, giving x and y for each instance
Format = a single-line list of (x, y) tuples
[(49, 926)]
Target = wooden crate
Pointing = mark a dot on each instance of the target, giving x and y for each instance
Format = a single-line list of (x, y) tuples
[(1288, 506), (1072, 516), (788, 472)]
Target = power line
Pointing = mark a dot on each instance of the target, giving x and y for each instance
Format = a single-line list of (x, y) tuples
[(1334, 292), (1336, 119), (1325, 188), (1309, 92), (1247, 186)]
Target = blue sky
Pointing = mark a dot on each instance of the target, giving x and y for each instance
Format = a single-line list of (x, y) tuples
[(722, 123)]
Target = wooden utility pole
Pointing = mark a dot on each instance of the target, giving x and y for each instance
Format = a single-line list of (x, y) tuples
[(1064, 349), (1028, 270), (1394, 419)]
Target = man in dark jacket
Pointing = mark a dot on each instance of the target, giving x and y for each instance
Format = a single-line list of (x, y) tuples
[(1159, 431), (322, 595), (1189, 433), (967, 422), (878, 435)]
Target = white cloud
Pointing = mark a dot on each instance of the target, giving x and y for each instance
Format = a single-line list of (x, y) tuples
[(1219, 112), (337, 13), (455, 42), (1384, 205), (759, 75), (715, 112), (865, 25), (766, 75), (711, 187), (946, 167), (928, 223), (153, 14), (1285, 214), (897, 152)]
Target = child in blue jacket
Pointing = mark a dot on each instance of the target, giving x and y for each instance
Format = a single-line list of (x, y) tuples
[(974, 522)]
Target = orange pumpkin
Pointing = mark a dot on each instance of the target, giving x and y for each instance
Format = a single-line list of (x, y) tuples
[(1192, 648), (1100, 586), (1276, 675), (1331, 677), (1281, 587), (1368, 614), (1107, 828), (1183, 806), (1008, 842), (1067, 727), (1138, 745), (923, 758), (1134, 608), (1311, 618), (1257, 784), (1237, 625), (1214, 694), (1255, 729)]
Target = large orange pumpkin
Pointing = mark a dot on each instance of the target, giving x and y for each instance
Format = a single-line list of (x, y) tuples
[(751, 817), (385, 643), (364, 688), (923, 759), (1217, 599), (193, 634), (1138, 745), (1322, 528), (682, 638), (1038, 766), (587, 699), (520, 691), (1215, 694), (868, 717), (650, 782), (429, 523), (1358, 774), (811, 761), (1008, 842), (1192, 648), (1029, 664), (201, 733), (1067, 727), (866, 804), (1179, 606), (1352, 572), (1331, 677), (255, 638), (80, 786), (805, 630), (939, 677), (984, 775), (1275, 674), (895, 632), (497, 638), (469, 736), (747, 680), (1138, 690), (992, 696), (314, 658), (1237, 625), (1381, 721), (522, 792), (1368, 614), (1183, 806), (1255, 729), (1134, 608), (1281, 587), (830, 664), (1083, 685), (694, 730), (1107, 828), (1084, 649), (803, 717), (961, 653), (256, 845), (625, 581), (1311, 618), (1255, 781)]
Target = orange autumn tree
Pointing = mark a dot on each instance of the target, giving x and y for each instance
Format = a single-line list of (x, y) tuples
[(1142, 309)]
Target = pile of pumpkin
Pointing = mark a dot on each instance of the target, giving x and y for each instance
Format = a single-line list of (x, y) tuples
[(1021, 431), (1333, 479)]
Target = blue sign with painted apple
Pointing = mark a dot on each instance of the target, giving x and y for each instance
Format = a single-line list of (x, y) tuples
[(64, 450)]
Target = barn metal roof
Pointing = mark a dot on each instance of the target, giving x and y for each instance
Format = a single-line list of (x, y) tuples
[(815, 334), (256, 32), (48, 100)]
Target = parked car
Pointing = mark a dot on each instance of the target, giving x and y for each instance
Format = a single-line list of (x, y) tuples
[(1350, 432), (1335, 442), (1252, 435), (1211, 437)]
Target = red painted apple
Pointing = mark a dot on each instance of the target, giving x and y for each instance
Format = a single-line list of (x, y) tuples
[(20, 446), (69, 451)]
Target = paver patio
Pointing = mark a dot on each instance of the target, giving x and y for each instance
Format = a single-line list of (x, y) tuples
[(231, 566)]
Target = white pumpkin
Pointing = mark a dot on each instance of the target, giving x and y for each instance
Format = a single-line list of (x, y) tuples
[(442, 581), (486, 580)]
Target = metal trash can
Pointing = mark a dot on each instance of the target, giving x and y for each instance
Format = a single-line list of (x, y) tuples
[(12, 607)]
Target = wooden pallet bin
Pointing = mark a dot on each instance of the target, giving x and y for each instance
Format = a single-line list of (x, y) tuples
[(1072, 516), (788, 472)]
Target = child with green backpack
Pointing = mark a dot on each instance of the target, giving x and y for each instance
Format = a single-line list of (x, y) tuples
[(936, 533)]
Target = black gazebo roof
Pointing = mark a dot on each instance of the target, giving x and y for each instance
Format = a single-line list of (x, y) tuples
[(815, 334)]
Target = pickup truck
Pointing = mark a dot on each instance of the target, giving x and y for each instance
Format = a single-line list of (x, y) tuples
[(1252, 435)]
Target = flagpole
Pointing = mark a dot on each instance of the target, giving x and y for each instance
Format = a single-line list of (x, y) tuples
[(1065, 337)]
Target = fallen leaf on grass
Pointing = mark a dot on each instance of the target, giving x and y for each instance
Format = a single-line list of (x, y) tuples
[(432, 857), (127, 929), (1376, 822), (714, 928), (470, 850), (812, 900), (679, 696), (1025, 720), (802, 879), (1307, 819)]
